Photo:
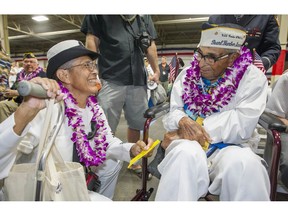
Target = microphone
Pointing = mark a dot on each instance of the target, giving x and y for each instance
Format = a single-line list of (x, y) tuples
[(26, 88)]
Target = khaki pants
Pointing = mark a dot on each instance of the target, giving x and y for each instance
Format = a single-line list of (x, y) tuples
[(165, 86), (7, 108)]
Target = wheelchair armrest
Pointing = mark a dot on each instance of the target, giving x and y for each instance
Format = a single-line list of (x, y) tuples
[(157, 111), (270, 121), (274, 127)]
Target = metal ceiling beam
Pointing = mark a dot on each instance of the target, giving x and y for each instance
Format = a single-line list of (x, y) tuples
[(71, 21), (44, 34), (41, 35), (177, 21), (27, 34)]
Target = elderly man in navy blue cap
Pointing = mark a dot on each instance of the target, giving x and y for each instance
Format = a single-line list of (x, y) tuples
[(215, 106), (30, 70), (85, 135)]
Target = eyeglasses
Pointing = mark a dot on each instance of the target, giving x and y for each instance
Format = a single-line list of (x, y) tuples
[(26, 61), (209, 59), (91, 66)]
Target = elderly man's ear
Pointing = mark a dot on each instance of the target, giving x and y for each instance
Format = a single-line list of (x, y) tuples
[(63, 75)]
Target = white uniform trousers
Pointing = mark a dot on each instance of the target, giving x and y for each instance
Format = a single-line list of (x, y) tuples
[(108, 174), (235, 173)]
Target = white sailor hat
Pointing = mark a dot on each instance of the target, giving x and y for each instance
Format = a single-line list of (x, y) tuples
[(226, 35)]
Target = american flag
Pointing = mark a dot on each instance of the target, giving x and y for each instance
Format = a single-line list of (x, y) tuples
[(257, 61), (174, 66)]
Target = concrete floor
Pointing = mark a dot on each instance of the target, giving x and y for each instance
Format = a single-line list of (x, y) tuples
[(129, 182)]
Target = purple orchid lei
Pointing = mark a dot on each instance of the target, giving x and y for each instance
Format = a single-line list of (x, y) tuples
[(25, 76), (203, 104), (87, 155)]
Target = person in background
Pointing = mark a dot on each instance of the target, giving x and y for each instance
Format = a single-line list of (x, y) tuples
[(181, 65), (72, 73), (164, 73), (215, 106), (278, 105), (262, 34), (13, 73), (123, 41), (5, 65), (30, 70)]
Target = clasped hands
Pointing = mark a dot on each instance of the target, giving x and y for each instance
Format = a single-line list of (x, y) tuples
[(188, 129)]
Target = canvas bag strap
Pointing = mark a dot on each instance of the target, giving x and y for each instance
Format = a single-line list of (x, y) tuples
[(39, 174), (46, 126)]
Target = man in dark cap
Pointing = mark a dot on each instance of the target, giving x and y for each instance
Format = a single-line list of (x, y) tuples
[(262, 34), (214, 109), (73, 74), (30, 70)]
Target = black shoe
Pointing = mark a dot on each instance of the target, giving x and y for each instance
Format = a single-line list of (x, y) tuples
[(138, 172), (152, 167)]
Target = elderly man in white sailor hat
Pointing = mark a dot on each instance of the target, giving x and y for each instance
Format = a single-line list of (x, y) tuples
[(215, 106), (73, 77)]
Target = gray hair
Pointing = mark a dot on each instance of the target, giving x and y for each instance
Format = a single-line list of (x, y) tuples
[(65, 66)]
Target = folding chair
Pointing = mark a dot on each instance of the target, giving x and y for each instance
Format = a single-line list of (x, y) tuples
[(274, 127), (151, 115)]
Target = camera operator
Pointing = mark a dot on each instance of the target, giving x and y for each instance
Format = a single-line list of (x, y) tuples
[(123, 41)]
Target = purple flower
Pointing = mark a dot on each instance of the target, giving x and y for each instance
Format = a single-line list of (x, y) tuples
[(87, 155), (205, 103)]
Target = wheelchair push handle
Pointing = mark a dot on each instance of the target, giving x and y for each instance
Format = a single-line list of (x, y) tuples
[(26, 88), (270, 121), (157, 111)]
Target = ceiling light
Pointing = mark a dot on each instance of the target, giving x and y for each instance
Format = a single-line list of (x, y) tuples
[(40, 18)]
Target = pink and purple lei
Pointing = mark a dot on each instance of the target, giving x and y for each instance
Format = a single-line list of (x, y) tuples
[(203, 104), (24, 76), (87, 155)]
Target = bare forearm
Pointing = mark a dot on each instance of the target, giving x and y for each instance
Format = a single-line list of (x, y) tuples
[(92, 42), (285, 121), (23, 115), (153, 58), (30, 106)]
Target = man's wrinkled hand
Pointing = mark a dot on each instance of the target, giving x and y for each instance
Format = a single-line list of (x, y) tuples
[(191, 130), (168, 138), (139, 146)]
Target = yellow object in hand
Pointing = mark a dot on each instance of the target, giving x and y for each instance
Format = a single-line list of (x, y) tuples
[(200, 120), (143, 153)]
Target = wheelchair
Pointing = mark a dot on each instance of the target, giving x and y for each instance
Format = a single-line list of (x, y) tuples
[(151, 115), (274, 127), (271, 124)]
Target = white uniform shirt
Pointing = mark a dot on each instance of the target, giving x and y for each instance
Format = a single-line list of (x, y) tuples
[(9, 140), (235, 123), (277, 103)]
